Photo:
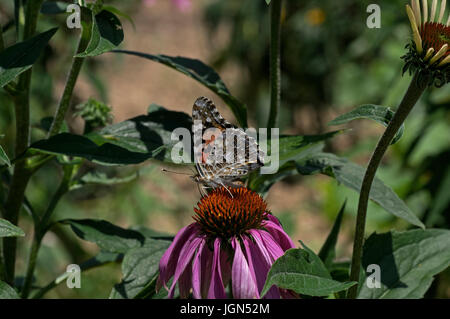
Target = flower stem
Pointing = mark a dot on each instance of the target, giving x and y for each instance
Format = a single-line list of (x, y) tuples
[(413, 93), (64, 104), (21, 175), (42, 227), (275, 73)]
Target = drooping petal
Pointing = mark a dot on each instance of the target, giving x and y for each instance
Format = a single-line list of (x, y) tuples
[(169, 260), (259, 268), (262, 248), (197, 272), (272, 246), (185, 282), (273, 226), (225, 266), (243, 283), (185, 259), (201, 272), (216, 288)]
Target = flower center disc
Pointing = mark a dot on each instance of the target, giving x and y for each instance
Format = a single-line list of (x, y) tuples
[(221, 214), (435, 35)]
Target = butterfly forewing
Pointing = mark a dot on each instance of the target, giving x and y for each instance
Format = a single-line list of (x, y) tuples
[(226, 153)]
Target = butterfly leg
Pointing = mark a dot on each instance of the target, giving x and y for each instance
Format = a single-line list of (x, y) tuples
[(226, 189)]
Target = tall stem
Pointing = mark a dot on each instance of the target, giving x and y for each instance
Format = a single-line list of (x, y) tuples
[(42, 227), (413, 93), (275, 73), (75, 69), (21, 175)]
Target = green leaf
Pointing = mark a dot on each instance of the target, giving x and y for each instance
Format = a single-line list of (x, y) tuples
[(9, 230), (121, 14), (295, 147), (21, 56), (351, 175), (302, 271), (378, 113), (54, 7), (290, 148), (108, 237), (130, 142), (408, 261), (201, 73), (7, 292), (106, 34), (100, 178), (268, 1), (328, 251), (146, 133), (262, 183), (3, 157), (81, 146), (102, 258), (140, 267)]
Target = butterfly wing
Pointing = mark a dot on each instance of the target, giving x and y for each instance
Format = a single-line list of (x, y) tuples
[(229, 153), (204, 110)]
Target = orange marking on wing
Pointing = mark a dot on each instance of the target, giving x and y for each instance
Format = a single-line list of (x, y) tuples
[(213, 137)]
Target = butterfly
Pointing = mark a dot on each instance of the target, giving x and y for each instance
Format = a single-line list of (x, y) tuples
[(225, 155)]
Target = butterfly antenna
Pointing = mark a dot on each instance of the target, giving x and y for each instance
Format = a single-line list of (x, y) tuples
[(167, 171)]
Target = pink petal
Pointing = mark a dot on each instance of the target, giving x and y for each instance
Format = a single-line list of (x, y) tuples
[(273, 226), (272, 246), (262, 248), (185, 259), (225, 266), (169, 260), (260, 268), (201, 274), (243, 283), (184, 283), (216, 288), (197, 272)]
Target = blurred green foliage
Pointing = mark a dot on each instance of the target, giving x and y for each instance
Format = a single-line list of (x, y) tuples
[(331, 62)]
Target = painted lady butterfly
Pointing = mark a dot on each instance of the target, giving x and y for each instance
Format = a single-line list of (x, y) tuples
[(225, 155)]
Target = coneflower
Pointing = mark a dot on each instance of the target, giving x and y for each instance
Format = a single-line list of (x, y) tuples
[(429, 52), (233, 242)]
